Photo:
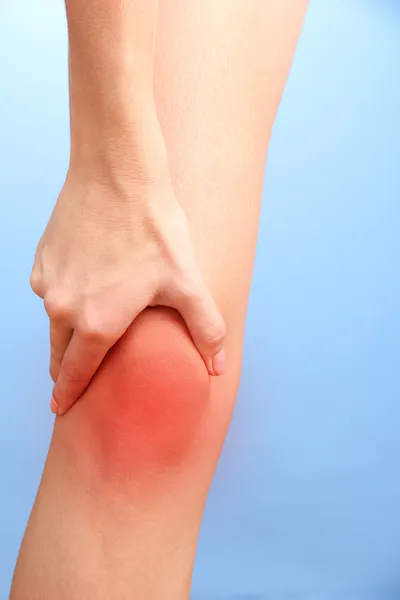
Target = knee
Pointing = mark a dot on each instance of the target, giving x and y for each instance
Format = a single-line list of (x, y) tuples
[(145, 404)]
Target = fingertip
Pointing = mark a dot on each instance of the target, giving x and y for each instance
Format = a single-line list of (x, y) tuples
[(58, 407), (209, 365), (62, 410), (53, 406), (219, 363)]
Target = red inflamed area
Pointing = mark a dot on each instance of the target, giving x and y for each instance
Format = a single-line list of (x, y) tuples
[(143, 410)]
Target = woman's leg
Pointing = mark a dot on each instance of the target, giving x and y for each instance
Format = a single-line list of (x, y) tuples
[(120, 503)]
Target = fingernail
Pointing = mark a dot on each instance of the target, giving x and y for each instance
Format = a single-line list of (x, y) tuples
[(219, 362), (53, 406)]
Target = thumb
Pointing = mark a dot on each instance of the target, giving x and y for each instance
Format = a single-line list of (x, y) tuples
[(205, 324)]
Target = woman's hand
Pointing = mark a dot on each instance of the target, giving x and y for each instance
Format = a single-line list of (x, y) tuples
[(113, 246)]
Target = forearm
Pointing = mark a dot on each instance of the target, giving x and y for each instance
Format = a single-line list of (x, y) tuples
[(111, 65)]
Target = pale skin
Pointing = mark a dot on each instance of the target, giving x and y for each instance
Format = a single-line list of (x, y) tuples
[(118, 239), (120, 503)]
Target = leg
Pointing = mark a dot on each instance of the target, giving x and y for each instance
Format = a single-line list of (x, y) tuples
[(120, 503)]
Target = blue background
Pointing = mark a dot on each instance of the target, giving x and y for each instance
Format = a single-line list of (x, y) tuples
[(305, 504)]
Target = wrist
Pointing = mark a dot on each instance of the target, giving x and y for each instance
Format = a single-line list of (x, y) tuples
[(128, 142)]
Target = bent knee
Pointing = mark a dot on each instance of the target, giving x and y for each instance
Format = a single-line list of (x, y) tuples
[(145, 403)]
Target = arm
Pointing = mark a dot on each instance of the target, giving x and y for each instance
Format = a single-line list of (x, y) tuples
[(117, 240), (111, 65), (119, 506)]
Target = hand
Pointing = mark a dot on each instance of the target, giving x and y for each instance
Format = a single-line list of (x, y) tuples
[(112, 247)]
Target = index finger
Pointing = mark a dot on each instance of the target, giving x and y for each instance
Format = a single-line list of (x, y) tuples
[(80, 362)]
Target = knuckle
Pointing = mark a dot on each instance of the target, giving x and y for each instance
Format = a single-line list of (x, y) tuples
[(53, 370), (93, 331), (189, 289), (54, 348), (35, 282), (58, 306), (215, 335)]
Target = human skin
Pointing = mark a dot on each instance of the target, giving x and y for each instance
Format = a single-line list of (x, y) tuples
[(117, 240), (118, 497), (120, 503)]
